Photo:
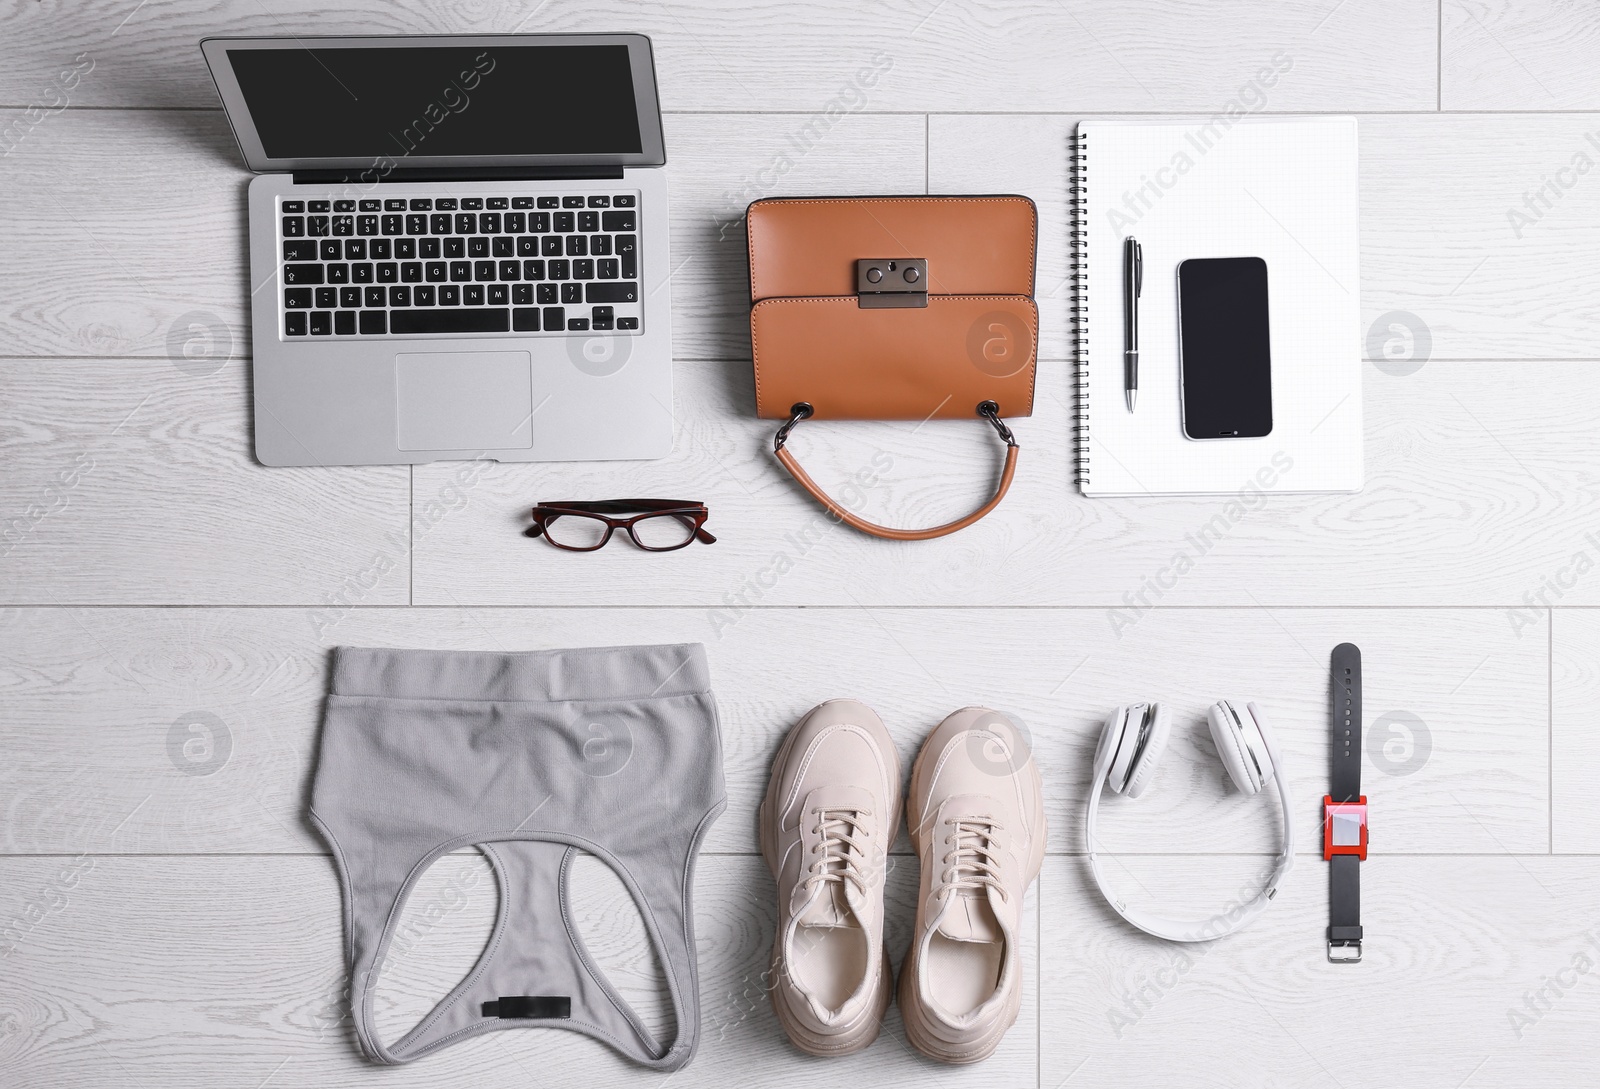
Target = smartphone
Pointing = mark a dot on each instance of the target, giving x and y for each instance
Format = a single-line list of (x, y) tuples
[(1225, 348)]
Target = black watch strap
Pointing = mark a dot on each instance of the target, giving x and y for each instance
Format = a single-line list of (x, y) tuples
[(1344, 870)]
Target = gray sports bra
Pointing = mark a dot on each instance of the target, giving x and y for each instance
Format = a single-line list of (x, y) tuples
[(532, 757)]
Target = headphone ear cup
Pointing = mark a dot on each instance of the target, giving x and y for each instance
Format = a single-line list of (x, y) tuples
[(1143, 772), (1230, 729), (1117, 746)]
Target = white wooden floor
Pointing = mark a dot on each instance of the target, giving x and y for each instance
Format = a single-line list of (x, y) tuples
[(169, 919)]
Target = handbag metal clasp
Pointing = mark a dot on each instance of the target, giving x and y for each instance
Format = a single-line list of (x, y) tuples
[(883, 283)]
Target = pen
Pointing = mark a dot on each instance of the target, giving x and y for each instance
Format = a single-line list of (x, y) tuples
[(1132, 283)]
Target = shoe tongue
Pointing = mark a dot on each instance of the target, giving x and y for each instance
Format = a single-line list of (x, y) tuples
[(969, 914), (834, 903)]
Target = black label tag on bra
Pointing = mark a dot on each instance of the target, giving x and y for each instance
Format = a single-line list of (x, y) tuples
[(531, 1006)]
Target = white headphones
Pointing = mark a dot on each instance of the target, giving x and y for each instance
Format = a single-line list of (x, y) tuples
[(1131, 745)]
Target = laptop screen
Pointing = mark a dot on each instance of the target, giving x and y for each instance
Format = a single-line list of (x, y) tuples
[(458, 102)]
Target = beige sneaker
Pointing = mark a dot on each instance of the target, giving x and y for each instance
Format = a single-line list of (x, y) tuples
[(977, 823), (831, 811)]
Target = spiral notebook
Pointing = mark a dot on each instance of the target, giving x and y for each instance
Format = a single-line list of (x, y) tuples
[(1283, 190)]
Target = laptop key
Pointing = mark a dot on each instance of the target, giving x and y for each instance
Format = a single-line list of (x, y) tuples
[(627, 323), (577, 245), (510, 270), (533, 270), (327, 297), (374, 321), (445, 204), (600, 245), (549, 202), (546, 294), (599, 202), (399, 296), (472, 294), (522, 294), (630, 266), (331, 249), (440, 222), (366, 226), (522, 202), (394, 204), (589, 221), (555, 319), (416, 224), (502, 246), (516, 222), (479, 320), (371, 205), (294, 323), (564, 222), (466, 223), (559, 270), (550, 246), (477, 247), (344, 323), (355, 249), (321, 323), (526, 320), (578, 325), (421, 204), (572, 293), (294, 206), (299, 250), (622, 200), (388, 272), (472, 203), (375, 296), (455, 247), (319, 206), (381, 248), (294, 226), (583, 268), (361, 272), (483, 270), (627, 243), (539, 223), (350, 297), (495, 202), (572, 202), (489, 223), (449, 295), (617, 221), (394, 224), (411, 272), (437, 272), (422, 295), (460, 270), (499, 294), (344, 206), (338, 273), (428, 247), (344, 225), (607, 267), (405, 248), (302, 274), (611, 292)]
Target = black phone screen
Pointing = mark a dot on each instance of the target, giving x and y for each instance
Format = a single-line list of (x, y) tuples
[(1225, 347)]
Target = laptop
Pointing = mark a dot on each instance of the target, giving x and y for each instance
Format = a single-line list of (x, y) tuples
[(458, 246)]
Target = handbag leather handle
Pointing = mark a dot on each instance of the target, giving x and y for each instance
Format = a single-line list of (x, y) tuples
[(988, 410)]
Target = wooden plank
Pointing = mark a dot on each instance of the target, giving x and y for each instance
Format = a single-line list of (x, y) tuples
[(1447, 238), (1033, 55), (1468, 977), (1473, 496), (133, 481), (132, 972), (1518, 55), (1574, 741), (128, 227), (194, 730)]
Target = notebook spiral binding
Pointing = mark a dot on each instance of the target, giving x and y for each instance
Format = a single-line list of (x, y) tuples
[(1078, 276)]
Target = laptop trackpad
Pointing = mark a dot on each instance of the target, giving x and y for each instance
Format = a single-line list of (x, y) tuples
[(464, 401)]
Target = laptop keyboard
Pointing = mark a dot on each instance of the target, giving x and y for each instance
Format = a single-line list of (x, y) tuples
[(525, 264)]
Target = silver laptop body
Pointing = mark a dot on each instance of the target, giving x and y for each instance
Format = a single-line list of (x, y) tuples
[(460, 284)]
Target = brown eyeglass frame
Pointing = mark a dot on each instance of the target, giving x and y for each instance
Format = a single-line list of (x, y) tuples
[(682, 509)]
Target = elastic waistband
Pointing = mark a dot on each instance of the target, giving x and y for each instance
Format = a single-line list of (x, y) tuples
[(549, 676)]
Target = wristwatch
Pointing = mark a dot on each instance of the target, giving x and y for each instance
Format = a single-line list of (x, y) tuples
[(1344, 809)]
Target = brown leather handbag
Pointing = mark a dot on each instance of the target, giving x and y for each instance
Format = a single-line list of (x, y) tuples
[(893, 308)]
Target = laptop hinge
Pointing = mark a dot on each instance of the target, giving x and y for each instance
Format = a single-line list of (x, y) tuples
[(436, 174)]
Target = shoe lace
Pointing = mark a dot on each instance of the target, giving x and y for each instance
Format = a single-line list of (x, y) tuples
[(841, 846), (973, 859)]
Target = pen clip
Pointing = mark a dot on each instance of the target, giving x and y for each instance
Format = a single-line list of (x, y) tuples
[(1138, 268)]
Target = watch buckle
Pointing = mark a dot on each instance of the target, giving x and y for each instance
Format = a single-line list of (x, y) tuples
[(1346, 946)]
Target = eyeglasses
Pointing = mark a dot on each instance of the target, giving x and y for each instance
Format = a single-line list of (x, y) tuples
[(657, 525)]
